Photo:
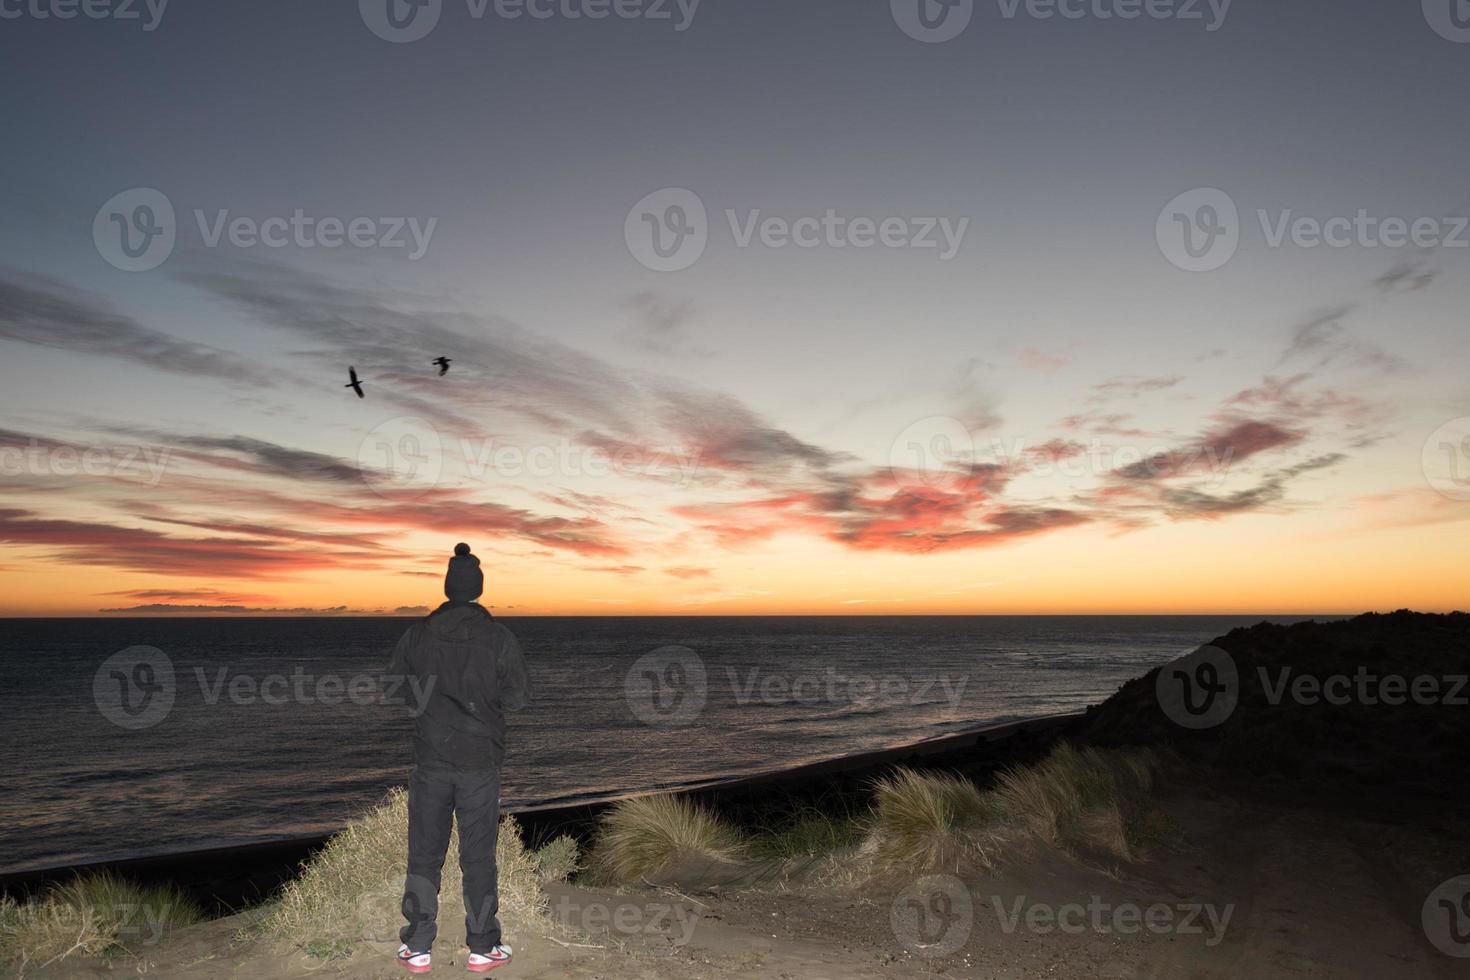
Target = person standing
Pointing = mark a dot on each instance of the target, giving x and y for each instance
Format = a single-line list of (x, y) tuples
[(471, 671)]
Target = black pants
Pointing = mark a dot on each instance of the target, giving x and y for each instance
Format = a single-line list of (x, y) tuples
[(473, 799)]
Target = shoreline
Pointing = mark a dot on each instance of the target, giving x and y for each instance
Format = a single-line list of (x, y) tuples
[(234, 873)]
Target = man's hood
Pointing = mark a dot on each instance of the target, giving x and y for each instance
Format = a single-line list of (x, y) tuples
[(457, 622)]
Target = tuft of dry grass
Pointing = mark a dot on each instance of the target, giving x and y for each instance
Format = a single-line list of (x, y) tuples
[(930, 821), (641, 836), (351, 890), (1081, 800), (91, 915), (558, 859)]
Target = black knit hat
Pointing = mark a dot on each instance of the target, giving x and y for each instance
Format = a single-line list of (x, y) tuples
[(464, 582)]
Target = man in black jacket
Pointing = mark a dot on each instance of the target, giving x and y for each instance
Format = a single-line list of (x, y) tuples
[(474, 672)]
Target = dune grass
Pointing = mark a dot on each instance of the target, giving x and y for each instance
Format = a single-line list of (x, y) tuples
[(1083, 798), (1085, 801), (931, 821), (351, 890), (809, 831), (641, 836), (558, 859), (1091, 803), (91, 915)]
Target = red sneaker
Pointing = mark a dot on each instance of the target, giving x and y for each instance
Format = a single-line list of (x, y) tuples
[(485, 962), (413, 962)]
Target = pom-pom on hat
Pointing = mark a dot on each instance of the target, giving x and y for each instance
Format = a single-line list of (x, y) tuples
[(464, 581)]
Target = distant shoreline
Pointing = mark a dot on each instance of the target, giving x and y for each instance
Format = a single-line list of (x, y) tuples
[(852, 615)]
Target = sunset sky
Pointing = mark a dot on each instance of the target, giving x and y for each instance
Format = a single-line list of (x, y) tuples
[(1055, 419)]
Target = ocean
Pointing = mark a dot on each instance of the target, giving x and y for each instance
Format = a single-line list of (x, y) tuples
[(128, 737)]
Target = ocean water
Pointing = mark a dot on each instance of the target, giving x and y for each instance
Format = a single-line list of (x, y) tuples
[(272, 728)]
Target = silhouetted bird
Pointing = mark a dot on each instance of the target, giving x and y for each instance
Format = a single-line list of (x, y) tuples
[(354, 384), (443, 363)]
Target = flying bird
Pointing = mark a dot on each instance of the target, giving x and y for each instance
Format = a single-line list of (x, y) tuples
[(354, 384), (443, 363)]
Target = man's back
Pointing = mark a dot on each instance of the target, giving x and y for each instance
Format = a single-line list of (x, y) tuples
[(468, 671), (471, 671)]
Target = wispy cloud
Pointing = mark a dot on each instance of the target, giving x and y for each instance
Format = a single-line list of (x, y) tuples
[(48, 314)]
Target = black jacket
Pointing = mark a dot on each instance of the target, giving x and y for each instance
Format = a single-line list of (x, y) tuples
[(473, 671)]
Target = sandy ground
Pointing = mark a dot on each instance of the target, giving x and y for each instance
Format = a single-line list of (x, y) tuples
[(1250, 891)]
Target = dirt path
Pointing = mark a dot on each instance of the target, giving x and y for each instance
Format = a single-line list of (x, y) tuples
[(1248, 891)]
